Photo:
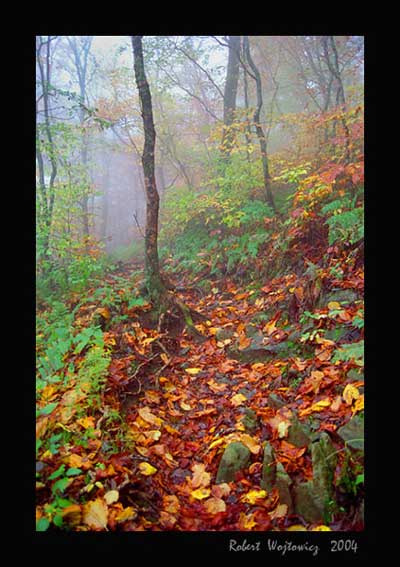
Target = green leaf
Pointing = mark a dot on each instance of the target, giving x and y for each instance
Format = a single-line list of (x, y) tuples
[(60, 485), (48, 409), (73, 471), (359, 479), (42, 524), (58, 520), (57, 473)]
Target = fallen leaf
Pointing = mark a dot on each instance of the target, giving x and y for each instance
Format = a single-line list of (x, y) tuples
[(335, 405), (220, 490), (167, 520), (279, 512), (321, 529), (333, 305), (359, 404), (250, 443), (246, 522), (318, 406), (200, 493), (111, 496), (128, 513), (185, 406), (296, 528), (95, 514), (193, 371), (146, 414), (146, 469), (200, 477), (253, 495), (238, 399), (350, 393), (214, 505), (86, 422), (171, 504), (72, 514)]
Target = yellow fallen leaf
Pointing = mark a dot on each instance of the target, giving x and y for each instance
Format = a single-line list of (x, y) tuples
[(111, 496), (269, 327), (253, 495), (318, 406), (201, 478), (296, 528), (193, 371), (216, 443), (246, 522), (358, 404), (321, 529), (95, 514), (200, 493), (283, 428), (214, 505), (146, 414), (185, 406), (86, 422), (127, 513), (333, 305), (337, 402), (75, 461), (238, 399), (146, 469), (250, 443), (350, 393)]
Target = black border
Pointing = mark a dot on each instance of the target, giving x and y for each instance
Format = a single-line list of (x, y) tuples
[(206, 542)]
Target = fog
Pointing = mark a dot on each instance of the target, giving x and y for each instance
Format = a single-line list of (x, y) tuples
[(94, 111)]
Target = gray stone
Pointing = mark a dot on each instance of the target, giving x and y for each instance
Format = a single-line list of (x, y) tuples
[(324, 459), (312, 499), (250, 420), (308, 502), (340, 295), (224, 333), (353, 433), (235, 458), (298, 434), (283, 483), (269, 468)]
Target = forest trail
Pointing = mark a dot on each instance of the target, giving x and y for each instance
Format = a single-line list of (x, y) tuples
[(168, 413)]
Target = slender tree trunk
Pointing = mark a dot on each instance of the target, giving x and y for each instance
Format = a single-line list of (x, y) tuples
[(154, 282), (259, 129), (230, 92)]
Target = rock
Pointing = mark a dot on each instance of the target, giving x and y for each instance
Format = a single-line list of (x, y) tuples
[(235, 458), (308, 503), (353, 433), (250, 420), (258, 351), (283, 483), (313, 499), (324, 459), (275, 402), (224, 333), (339, 295), (269, 468), (248, 394), (297, 434)]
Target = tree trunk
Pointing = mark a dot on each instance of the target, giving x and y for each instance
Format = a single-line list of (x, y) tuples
[(259, 129), (230, 92), (154, 281)]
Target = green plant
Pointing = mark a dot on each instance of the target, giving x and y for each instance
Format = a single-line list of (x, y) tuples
[(351, 351)]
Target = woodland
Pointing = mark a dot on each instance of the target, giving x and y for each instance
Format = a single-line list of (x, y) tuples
[(199, 283)]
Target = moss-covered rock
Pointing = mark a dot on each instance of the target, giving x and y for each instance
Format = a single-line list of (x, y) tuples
[(298, 434), (268, 477), (235, 458)]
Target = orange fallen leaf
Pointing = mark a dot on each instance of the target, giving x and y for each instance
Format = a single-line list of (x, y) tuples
[(221, 490), (337, 402), (171, 504), (250, 443), (146, 414), (318, 406)]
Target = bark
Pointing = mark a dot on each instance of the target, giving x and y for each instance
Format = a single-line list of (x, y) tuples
[(259, 129), (154, 281), (230, 92), (47, 193)]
